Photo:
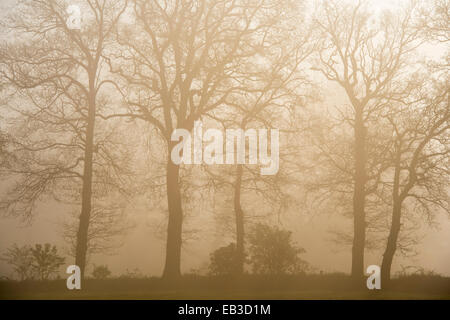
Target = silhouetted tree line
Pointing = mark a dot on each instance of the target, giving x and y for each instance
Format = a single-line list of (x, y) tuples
[(77, 103)]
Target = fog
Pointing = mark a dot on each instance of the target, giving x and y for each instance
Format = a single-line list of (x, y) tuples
[(92, 160), (143, 251)]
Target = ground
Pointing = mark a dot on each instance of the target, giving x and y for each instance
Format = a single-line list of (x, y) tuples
[(246, 287)]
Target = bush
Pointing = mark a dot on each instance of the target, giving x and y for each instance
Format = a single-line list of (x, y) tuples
[(101, 272), (41, 261), (223, 261), (46, 260), (273, 252), (132, 274), (21, 259)]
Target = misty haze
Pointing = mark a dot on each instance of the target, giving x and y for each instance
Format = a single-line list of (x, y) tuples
[(245, 148)]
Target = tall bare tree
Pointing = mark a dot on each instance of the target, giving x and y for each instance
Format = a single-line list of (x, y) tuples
[(279, 88), (181, 61), (420, 162), (365, 55), (58, 75)]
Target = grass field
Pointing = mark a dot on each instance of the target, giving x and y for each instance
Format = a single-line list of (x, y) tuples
[(246, 287)]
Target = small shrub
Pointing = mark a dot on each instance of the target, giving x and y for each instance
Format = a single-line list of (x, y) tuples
[(132, 274), (223, 261), (39, 262), (273, 252), (21, 259), (46, 260), (101, 272)]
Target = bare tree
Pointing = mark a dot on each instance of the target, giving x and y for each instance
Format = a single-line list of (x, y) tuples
[(58, 77), (434, 20), (420, 157), (269, 107), (182, 61), (366, 56)]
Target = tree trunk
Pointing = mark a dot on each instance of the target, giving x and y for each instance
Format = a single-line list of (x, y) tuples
[(240, 254), (172, 268), (359, 223), (86, 193), (391, 245)]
